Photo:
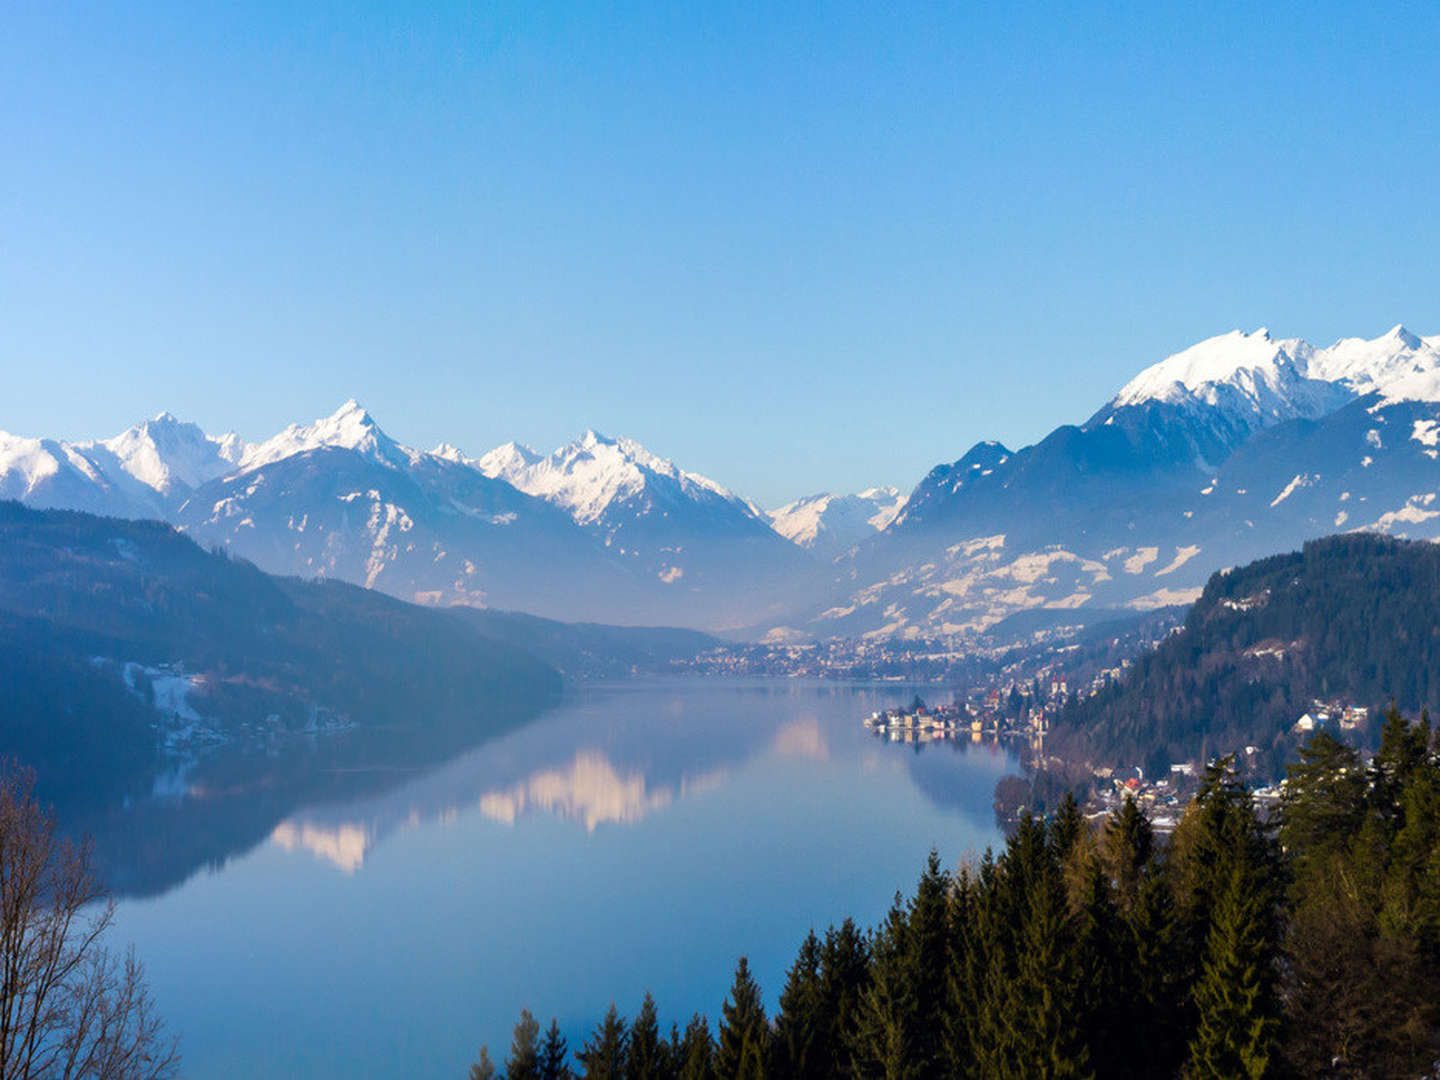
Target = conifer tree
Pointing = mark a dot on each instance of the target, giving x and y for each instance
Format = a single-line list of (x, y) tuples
[(1218, 827), (885, 1039), (1404, 748), (1067, 828), (1002, 900), (695, 1052), (744, 1039), (1238, 1014), (967, 974), (523, 1062), (1129, 843), (648, 1057), (1161, 986), (1104, 976), (844, 978), (1323, 802), (603, 1057), (800, 1023), (554, 1055), (927, 962), (484, 1068), (1046, 1040)]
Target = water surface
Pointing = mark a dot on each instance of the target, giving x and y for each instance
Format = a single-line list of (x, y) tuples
[(640, 836)]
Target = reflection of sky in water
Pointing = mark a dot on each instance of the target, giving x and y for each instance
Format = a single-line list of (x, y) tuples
[(641, 836)]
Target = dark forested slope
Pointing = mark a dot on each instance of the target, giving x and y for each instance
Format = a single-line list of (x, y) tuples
[(101, 619), (1348, 618)]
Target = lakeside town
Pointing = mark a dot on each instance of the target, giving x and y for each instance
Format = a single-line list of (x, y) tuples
[(1020, 715)]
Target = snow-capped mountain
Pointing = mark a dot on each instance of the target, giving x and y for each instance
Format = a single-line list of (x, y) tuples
[(1259, 381), (349, 428), (1241, 446), (601, 529), (682, 528), (832, 524), (131, 475), (604, 482), (166, 454)]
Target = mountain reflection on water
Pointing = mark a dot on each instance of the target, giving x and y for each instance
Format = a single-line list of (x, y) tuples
[(637, 836), (337, 796), (590, 790)]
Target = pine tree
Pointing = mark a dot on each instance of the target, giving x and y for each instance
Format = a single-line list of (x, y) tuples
[(1404, 748), (484, 1068), (554, 1055), (844, 978), (1030, 1019), (799, 1025), (885, 1040), (1129, 843), (1104, 976), (648, 1057), (524, 1060), (1161, 987), (1067, 828), (968, 959), (927, 961), (744, 1039), (1324, 801), (603, 1057), (1238, 1022), (695, 1053), (1044, 1018)]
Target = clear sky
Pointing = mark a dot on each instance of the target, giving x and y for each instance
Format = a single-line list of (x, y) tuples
[(795, 247)]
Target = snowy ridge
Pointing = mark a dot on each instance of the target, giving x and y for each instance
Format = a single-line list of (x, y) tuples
[(1261, 380), (595, 473)]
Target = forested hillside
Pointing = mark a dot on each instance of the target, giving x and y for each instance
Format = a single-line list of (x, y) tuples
[(116, 635), (1347, 618)]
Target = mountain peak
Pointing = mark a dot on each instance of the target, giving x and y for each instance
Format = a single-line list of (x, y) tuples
[(351, 412), (1403, 337), (1255, 358), (164, 450), (508, 462), (450, 452), (349, 427)]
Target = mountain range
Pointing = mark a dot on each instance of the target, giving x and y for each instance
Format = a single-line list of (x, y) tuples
[(1239, 446), (600, 530)]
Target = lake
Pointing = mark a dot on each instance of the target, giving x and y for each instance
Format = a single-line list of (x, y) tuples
[(640, 835)]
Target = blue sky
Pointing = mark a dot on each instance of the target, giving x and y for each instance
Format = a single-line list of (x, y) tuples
[(794, 247)]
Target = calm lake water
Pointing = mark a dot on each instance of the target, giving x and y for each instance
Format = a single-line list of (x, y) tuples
[(639, 836)]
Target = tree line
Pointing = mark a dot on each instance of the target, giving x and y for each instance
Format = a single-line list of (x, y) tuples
[(1304, 943)]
